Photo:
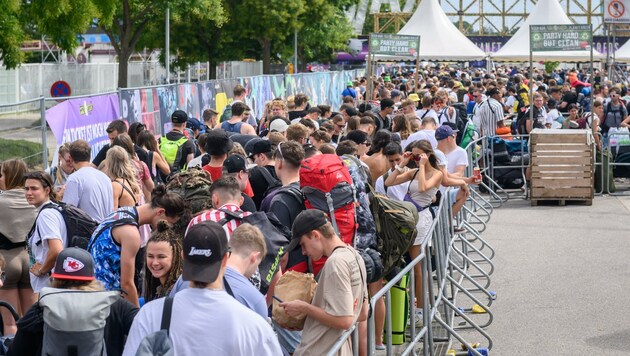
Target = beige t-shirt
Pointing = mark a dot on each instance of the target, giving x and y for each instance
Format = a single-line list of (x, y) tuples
[(340, 291)]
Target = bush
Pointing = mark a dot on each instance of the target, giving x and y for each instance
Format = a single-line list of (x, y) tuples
[(30, 152)]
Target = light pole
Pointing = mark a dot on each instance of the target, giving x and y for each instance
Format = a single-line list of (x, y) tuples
[(167, 46)]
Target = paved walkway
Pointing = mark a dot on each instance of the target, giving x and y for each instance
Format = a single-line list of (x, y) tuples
[(562, 278)]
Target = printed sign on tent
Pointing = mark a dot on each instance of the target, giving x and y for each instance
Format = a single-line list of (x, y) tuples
[(560, 37), (394, 45)]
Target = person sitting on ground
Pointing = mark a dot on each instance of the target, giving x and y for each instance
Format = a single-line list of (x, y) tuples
[(116, 241), (205, 308), (236, 123), (14, 208), (69, 287), (163, 262)]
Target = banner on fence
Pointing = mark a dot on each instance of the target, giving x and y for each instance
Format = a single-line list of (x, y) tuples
[(83, 119)]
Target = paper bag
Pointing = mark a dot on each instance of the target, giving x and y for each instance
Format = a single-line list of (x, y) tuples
[(293, 286)]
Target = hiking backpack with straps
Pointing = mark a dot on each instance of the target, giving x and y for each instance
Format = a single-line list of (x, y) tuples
[(395, 229), (172, 152), (326, 185), (276, 238), (227, 113), (79, 225), (74, 321)]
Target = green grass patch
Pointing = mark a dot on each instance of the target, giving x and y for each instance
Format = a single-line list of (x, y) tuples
[(30, 152)]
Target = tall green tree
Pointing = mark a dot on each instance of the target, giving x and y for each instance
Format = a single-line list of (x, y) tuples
[(268, 22), (195, 39), (133, 16), (11, 33)]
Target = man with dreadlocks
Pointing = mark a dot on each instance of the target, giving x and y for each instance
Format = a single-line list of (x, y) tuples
[(164, 262)]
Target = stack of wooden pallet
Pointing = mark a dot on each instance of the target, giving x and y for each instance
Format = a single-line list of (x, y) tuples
[(562, 163)]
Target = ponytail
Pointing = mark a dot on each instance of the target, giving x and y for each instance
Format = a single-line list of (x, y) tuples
[(172, 203)]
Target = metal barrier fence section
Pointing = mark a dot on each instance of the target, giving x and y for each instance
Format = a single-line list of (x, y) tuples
[(455, 263), (23, 133)]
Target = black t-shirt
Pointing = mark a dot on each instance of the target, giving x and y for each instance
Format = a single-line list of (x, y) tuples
[(259, 183), (286, 205), (297, 114), (570, 98), (187, 148), (102, 154), (248, 204)]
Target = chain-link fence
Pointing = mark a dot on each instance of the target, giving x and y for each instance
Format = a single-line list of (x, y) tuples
[(22, 134)]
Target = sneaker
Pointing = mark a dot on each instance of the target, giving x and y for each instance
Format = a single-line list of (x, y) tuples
[(419, 318), (380, 347)]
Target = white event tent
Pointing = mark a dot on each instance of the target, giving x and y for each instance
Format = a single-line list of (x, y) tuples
[(546, 12), (440, 40), (623, 53)]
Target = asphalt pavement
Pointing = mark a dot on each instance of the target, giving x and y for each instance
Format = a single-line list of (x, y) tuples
[(562, 278)]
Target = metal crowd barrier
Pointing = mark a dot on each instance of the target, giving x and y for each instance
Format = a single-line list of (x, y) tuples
[(462, 264), (621, 149)]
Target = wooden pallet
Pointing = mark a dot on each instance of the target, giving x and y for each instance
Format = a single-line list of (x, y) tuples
[(561, 166)]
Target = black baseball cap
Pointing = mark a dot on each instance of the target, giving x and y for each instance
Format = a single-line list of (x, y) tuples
[(204, 246), (306, 221), (74, 264), (234, 164), (179, 117), (260, 146), (218, 142)]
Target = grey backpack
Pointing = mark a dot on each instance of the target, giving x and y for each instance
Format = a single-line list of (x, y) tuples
[(159, 343), (74, 321)]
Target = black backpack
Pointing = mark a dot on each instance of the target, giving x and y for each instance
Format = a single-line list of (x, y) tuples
[(276, 238), (461, 120), (79, 225)]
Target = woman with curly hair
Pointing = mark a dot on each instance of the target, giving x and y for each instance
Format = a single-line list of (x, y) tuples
[(163, 262)]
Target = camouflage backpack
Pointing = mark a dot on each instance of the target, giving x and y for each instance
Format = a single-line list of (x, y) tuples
[(193, 185)]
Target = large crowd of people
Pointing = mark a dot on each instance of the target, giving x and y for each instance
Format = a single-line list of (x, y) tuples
[(150, 258)]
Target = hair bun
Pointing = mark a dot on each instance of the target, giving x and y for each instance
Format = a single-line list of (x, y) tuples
[(159, 190), (163, 225)]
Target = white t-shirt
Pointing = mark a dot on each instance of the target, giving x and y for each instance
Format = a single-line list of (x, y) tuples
[(396, 192), (428, 135), (456, 158), (552, 116), (429, 113), (91, 191), (195, 162), (206, 322), (51, 226), (509, 102)]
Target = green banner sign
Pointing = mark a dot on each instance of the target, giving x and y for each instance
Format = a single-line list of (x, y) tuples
[(394, 45), (560, 37)]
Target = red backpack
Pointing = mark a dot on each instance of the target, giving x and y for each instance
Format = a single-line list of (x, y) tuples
[(327, 186)]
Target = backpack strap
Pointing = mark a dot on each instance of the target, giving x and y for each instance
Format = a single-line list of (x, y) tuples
[(166, 314), (49, 205), (229, 216), (267, 176)]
